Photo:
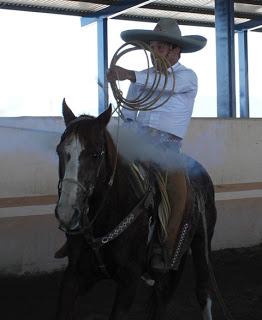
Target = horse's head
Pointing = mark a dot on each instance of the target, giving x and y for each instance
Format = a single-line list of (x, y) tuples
[(81, 154)]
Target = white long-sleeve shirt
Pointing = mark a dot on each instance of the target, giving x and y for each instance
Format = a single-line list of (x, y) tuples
[(174, 115)]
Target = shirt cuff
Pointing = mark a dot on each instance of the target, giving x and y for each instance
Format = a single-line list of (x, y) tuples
[(140, 77)]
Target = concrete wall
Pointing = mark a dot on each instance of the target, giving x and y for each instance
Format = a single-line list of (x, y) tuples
[(231, 150)]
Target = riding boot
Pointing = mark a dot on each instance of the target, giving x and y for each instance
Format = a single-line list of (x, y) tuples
[(177, 194), (62, 252)]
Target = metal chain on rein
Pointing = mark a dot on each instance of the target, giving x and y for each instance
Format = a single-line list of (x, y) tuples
[(149, 97)]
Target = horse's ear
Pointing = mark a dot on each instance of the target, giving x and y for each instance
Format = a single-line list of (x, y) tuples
[(67, 113), (104, 117)]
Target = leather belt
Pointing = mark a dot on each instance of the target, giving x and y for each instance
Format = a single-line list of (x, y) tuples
[(164, 136)]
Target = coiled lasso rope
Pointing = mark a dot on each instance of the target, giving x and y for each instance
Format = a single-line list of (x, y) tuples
[(148, 98)]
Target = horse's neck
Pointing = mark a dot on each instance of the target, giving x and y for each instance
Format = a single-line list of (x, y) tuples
[(116, 200), (121, 188), (119, 171)]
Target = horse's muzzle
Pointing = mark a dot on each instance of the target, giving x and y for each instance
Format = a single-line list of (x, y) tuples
[(74, 225), (75, 222)]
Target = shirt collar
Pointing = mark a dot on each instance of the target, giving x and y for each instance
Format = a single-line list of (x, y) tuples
[(175, 67)]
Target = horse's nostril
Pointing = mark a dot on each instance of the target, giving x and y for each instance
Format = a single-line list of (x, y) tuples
[(75, 221), (76, 213)]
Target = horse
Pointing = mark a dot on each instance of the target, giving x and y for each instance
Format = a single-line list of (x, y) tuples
[(107, 223)]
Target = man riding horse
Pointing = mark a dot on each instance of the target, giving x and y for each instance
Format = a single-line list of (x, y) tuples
[(167, 124)]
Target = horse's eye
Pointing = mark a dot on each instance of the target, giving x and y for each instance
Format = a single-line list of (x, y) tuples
[(96, 155)]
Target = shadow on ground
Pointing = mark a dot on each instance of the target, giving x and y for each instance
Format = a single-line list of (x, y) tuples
[(238, 273)]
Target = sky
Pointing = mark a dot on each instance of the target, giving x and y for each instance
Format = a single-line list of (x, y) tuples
[(44, 58)]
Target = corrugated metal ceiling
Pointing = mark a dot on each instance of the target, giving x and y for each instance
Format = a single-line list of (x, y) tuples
[(190, 12)]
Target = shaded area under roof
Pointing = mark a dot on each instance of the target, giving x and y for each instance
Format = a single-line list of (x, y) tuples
[(187, 12)]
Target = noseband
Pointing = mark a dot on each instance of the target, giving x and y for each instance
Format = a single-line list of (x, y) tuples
[(79, 184)]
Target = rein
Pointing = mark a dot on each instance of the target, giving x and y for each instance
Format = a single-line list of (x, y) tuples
[(109, 185), (97, 243), (123, 225)]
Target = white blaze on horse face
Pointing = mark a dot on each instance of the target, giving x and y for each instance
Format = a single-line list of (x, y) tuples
[(207, 315), (68, 198)]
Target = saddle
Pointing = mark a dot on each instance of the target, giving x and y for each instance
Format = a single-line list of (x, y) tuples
[(172, 202)]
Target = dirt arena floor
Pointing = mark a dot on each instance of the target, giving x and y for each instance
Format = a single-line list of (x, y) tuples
[(238, 273)]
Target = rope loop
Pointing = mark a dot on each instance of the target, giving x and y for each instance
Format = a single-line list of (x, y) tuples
[(148, 98)]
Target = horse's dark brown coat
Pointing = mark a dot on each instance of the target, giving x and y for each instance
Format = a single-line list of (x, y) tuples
[(126, 256)]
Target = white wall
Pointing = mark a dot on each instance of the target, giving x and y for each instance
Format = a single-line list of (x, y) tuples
[(28, 162), (230, 149)]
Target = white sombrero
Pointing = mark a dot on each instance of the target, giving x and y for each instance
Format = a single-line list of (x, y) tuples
[(166, 30)]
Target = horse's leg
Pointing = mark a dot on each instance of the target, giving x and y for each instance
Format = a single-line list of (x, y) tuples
[(136, 293), (70, 285), (201, 252), (67, 296), (123, 300), (165, 288)]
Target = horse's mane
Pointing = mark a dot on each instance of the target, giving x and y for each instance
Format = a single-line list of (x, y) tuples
[(77, 125)]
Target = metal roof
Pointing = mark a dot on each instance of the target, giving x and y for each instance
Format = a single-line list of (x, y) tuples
[(188, 12)]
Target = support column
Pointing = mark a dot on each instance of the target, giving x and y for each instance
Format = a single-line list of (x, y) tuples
[(225, 56), (102, 51), (243, 74)]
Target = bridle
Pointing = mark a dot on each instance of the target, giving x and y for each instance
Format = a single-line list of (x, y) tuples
[(79, 184), (88, 192)]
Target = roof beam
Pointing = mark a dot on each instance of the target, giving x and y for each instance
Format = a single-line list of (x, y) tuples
[(130, 17), (197, 10), (225, 56), (243, 74), (179, 8), (252, 2), (114, 10), (249, 25), (102, 47), (37, 8)]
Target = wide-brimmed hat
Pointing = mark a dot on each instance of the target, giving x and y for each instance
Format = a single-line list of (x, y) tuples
[(167, 30)]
